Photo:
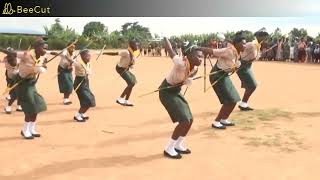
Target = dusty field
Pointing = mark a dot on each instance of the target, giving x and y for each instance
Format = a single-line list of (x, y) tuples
[(278, 141)]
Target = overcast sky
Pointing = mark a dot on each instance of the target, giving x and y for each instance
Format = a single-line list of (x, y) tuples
[(167, 26)]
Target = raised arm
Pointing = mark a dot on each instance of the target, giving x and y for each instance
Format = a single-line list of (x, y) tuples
[(213, 52), (111, 53), (169, 49)]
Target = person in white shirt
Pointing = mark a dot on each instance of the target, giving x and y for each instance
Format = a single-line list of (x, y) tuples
[(127, 60), (65, 80), (291, 56), (184, 67), (227, 62), (81, 85), (12, 69), (250, 54), (31, 65)]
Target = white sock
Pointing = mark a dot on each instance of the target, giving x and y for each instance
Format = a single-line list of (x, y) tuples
[(121, 100), (217, 124), (225, 121), (170, 147), (66, 100), (8, 108), (83, 115), (26, 129), (32, 128), (78, 116), (179, 143), (127, 102), (243, 104)]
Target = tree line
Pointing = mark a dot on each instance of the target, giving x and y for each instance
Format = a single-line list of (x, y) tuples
[(95, 35)]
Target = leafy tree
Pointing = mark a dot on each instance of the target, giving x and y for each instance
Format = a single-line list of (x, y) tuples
[(58, 36), (135, 31), (248, 35), (296, 34), (94, 29), (276, 35)]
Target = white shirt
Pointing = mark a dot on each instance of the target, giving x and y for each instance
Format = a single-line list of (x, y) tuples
[(180, 71), (64, 63), (29, 63), (227, 57), (125, 59), (12, 71), (81, 68), (251, 51)]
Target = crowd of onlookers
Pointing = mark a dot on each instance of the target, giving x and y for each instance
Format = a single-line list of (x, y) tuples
[(301, 51), (298, 51)]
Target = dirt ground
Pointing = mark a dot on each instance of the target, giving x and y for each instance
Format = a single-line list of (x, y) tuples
[(279, 140)]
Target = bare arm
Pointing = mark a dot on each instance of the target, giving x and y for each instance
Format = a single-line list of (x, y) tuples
[(168, 47), (206, 51), (213, 52), (111, 53)]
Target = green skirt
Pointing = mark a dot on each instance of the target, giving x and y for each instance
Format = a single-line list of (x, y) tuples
[(224, 88), (246, 75), (65, 80), (84, 93), (175, 103), (126, 75), (30, 100)]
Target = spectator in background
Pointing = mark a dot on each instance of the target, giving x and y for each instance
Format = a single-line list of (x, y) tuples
[(286, 50), (317, 54), (270, 53), (296, 59), (291, 55), (279, 51), (213, 44), (309, 52), (302, 54), (220, 38), (149, 49)]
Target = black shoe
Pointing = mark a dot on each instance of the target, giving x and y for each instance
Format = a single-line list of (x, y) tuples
[(7, 112), (245, 108), (85, 117), (130, 105), (67, 103), (220, 127), (183, 152), (178, 156), (36, 135), (22, 134), (227, 124), (79, 120)]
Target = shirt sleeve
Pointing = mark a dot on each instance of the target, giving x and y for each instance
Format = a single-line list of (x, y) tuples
[(177, 60), (220, 52), (250, 47), (21, 54), (249, 52), (64, 53), (124, 53)]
